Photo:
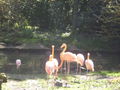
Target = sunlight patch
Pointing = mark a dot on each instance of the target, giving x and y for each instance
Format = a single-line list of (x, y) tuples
[(66, 34)]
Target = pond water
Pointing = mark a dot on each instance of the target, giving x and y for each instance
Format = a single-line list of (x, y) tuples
[(33, 61)]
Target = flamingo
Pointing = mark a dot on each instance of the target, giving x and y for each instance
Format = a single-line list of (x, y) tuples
[(52, 64), (67, 56), (89, 63), (18, 63), (54, 60), (80, 60)]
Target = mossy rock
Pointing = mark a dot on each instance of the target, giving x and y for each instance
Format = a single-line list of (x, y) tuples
[(3, 78)]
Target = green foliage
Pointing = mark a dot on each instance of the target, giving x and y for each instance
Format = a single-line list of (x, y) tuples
[(57, 21), (110, 18), (108, 73)]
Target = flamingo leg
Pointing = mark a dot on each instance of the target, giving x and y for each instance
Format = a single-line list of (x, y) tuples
[(77, 68), (68, 67), (61, 70), (65, 67), (80, 70), (56, 71)]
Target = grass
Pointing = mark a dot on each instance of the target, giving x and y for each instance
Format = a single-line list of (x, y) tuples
[(102, 80), (107, 73)]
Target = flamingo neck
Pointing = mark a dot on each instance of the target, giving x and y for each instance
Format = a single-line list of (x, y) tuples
[(65, 48), (52, 51), (50, 58), (88, 56)]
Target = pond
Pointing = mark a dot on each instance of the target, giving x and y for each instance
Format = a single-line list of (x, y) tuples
[(33, 60)]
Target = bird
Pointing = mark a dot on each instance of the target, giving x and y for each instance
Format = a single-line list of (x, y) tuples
[(89, 63), (54, 60), (67, 56), (49, 66), (18, 63), (80, 60), (52, 64)]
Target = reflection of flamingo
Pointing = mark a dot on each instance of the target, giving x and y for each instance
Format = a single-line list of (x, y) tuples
[(80, 60), (67, 56), (52, 64), (18, 63), (89, 63)]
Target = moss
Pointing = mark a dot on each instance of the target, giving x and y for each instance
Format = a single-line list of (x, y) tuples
[(3, 78)]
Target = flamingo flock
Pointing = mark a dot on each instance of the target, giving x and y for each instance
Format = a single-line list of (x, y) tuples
[(51, 66)]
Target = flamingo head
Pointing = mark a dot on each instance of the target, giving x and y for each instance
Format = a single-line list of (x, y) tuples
[(53, 46), (63, 45), (88, 54), (18, 62), (50, 57)]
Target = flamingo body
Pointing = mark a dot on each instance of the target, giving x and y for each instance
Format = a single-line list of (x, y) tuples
[(68, 56), (89, 63), (49, 67), (80, 59), (55, 62)]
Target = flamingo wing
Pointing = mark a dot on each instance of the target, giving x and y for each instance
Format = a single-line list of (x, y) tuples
[(55, 62), (89, 64), (68, 56), (49, 67), (80, 59)]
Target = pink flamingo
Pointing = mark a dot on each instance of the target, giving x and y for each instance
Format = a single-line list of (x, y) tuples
[(67, 56), (52, 64), (89, 63), (54, 60), (80, 60), (49, 66), (18, 63)]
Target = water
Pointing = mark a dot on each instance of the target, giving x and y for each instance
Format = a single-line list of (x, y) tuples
[(33, 61)]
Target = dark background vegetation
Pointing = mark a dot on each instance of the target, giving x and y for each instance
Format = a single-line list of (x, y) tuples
[(85, 24)]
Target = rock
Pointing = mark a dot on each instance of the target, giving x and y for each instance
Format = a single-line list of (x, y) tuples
[(62, 83), (3, 78)]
